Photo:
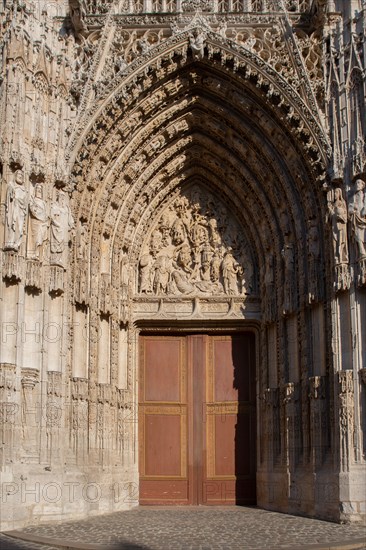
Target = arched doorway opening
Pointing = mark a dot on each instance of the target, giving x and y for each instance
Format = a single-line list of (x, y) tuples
[(197, 186)]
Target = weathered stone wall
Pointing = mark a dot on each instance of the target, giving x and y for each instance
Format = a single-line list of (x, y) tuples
[(191, 169)]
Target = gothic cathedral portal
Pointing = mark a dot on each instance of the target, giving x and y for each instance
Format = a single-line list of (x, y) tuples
[(183, 256)]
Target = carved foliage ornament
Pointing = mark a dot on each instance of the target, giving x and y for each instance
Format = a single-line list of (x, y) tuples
[(196, 247)]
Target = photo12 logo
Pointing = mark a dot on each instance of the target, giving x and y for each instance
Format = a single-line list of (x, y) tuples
[(68, 492)]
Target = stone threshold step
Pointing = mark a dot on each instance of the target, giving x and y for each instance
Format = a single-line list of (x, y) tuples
[(65, 545), (355, 544)]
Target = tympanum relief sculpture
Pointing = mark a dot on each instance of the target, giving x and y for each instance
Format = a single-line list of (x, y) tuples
[(196, 247)]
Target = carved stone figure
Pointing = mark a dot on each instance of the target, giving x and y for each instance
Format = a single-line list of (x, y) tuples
[(38, 222), (230, 273), (77, 15), (146, 263), (16, 203), (194, 249), (61, 224), (197, 44), (81, 241), (338, 215), (161, 274), (124, 274), (357, 211)]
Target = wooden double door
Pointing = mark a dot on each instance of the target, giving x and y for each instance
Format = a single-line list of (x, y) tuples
[(197, 419)]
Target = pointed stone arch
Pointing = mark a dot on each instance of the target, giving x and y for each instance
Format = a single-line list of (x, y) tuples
[(223, 53), (218, 111), (225, 124)]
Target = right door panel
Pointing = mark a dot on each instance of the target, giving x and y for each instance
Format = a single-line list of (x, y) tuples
[(229, 418)]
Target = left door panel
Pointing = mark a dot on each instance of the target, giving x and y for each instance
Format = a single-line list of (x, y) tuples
[(163, 429)]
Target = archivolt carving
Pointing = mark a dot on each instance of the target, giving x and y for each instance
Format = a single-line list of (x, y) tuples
[(253, 68), (196, 247), (223, 136)]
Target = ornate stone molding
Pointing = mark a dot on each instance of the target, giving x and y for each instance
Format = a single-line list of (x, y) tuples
[(30, 377), (13, 266), (254, 66)]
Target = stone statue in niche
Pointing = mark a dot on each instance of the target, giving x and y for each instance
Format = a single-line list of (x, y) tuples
[(357, 211), (338, 217), (61, 224), (38, 223), (16, 204), (194, 248)]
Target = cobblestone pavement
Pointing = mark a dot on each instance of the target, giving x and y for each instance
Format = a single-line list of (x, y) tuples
[(196, 528)]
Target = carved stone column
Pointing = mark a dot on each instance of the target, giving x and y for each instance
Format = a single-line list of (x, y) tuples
[(290, 397), (269, 399), (79, 417), (317, 421), (361, 272), (346, 417), (31, 413), (54, 414), (276, 426), (9, 415), (362, 373)]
